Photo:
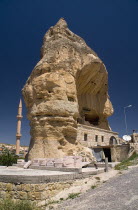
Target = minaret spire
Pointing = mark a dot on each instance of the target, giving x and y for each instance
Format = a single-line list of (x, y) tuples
[(18, 133)]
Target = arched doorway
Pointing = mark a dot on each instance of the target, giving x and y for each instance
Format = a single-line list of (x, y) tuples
[(113, 140)]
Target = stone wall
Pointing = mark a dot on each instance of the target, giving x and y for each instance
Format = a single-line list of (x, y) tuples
[(120, 152), (134, 137), (44, 193), (43, 189), (39, 193), (134, 147), (87, 136)]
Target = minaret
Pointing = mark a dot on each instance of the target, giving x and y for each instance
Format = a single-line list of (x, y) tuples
[(18, 134)]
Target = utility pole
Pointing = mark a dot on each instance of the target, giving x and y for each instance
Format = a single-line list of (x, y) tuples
[(125, 117)]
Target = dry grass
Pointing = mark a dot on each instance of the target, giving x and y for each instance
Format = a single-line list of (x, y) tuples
[(133, 160)]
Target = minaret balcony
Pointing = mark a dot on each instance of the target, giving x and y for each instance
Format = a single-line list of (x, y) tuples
[(18, 135), (19, 117)]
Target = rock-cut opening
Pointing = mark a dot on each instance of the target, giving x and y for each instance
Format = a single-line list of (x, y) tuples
[(88, 84)]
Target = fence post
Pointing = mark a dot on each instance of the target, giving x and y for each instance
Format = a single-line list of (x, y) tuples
[(106, 164)]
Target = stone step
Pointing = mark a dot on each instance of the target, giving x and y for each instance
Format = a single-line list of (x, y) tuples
[(102, 164)]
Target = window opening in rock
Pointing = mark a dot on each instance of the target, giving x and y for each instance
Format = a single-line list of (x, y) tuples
[(92, 120), (96, 138), (85, 109), (102, 137), (85, 137), (70, 99)]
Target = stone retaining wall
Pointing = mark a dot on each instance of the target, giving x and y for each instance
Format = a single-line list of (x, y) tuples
[(135, 146), (39, 193), (120, 152)]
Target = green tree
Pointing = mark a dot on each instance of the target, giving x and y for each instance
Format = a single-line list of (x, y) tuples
[(7, 159)]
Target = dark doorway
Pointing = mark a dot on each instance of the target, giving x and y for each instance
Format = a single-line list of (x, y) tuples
[(107, 153)]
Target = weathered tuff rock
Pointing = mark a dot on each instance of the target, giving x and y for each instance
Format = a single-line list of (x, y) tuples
[(68, 85)]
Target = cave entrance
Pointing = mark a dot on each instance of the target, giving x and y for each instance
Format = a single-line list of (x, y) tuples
[(87, 116), (88, 94), (94, 120), (107, 153), (101, 152)]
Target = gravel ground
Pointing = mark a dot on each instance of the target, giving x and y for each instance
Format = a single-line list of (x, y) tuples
[(119, 193)]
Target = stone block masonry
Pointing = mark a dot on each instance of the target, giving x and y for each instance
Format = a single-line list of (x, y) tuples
[(86, 135), (39, 193), (40, 186)]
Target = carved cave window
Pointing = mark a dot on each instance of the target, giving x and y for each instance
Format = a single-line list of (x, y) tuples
[(96, 138), (92, 120), (85, 137), (85, 109), (71, 99), (102, 137)]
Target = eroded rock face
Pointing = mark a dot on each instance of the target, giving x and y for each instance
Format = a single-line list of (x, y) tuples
[(68, 85)]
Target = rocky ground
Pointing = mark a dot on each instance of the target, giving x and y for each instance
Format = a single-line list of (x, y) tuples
[(118, 193)]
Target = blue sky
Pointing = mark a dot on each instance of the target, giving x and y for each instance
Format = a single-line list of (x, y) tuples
[(109, 27)]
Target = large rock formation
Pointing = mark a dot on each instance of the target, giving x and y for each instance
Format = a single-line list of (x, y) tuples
[(68, 85)]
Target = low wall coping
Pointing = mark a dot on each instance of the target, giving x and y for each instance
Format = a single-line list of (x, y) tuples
[(27, 179)]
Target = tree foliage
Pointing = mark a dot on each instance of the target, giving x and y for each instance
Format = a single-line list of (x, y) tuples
[(7, 158)]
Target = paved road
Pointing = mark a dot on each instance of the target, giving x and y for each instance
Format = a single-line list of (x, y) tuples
[(119, 193)]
